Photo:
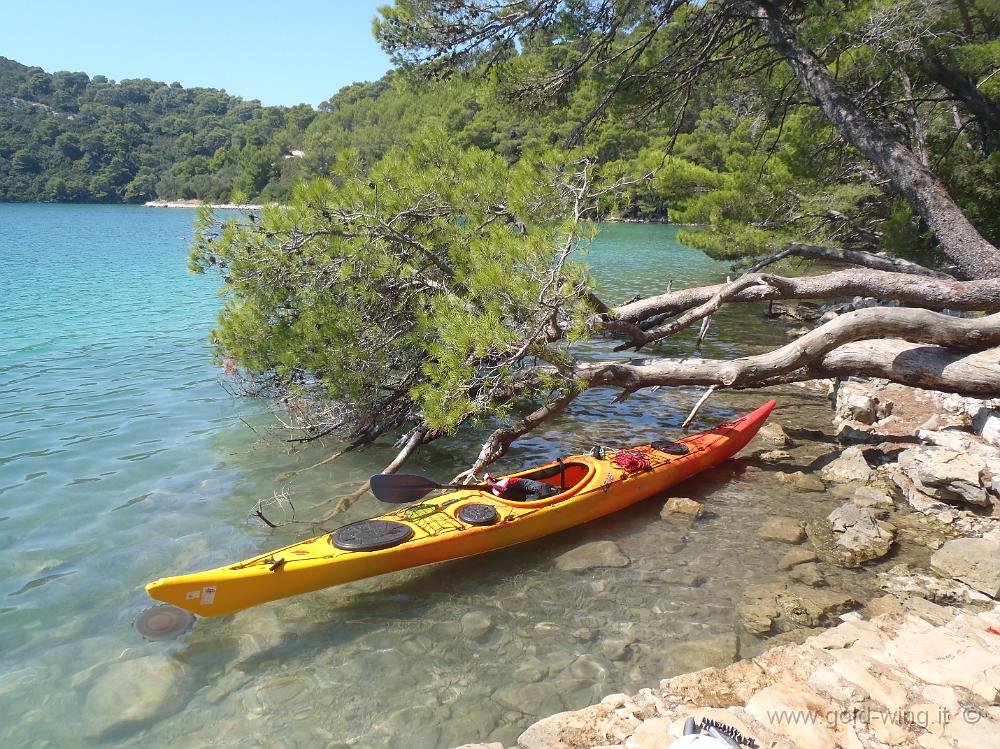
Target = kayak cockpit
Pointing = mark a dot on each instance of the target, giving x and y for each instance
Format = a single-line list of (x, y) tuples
[(568, 477)]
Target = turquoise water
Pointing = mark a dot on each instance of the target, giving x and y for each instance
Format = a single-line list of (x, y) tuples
[(123, 458)]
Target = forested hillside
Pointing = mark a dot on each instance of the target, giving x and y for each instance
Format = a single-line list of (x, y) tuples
[(742, 149), (68, 137)]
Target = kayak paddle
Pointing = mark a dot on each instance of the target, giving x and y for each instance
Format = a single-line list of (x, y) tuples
[(401, 488)]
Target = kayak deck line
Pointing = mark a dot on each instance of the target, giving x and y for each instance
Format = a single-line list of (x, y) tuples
[(433, 530)]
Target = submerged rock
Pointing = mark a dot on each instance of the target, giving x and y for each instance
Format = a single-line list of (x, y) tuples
[(974, 561), (796, 556), (132, 694), (693, 655), (805, 481), (849, 538), (531, 699), (781, 607), (850, 465), (772, 432), (476, 624), (782, 528), (681, 506), (808, 574), (591, 555), (775, 456)]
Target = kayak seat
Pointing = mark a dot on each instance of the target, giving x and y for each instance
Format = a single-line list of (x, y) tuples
[(562, 476), (527, 490)]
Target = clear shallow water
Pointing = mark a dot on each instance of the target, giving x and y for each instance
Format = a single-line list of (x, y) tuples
[(123, 459)]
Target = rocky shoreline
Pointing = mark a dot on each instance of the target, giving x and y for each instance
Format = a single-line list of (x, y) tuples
[(918, 666), (195, 203)]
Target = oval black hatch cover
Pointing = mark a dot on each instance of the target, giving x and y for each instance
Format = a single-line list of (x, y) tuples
[(370, 535)]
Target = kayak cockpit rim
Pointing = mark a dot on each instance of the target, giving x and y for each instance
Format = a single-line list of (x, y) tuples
[(570, 476)]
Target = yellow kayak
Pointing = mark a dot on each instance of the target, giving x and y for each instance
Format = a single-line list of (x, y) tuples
[(459, 523)]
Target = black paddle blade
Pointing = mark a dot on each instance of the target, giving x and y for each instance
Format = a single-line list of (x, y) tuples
[(401, 488)]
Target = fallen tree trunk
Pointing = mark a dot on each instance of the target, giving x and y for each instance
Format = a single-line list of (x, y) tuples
[(933, 293), (914, 364), (854, 257), (944, 365)]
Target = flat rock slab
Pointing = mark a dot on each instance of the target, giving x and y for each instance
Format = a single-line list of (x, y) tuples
[(784, 529), (849, 466), (780, 607), (796, 556), (974, 561), (591, 555)]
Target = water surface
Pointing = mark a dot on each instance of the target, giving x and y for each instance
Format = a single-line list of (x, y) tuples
[(123, 458)]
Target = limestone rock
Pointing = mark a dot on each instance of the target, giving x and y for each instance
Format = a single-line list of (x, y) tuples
[(857, 433), (949, 475), (680, 577), (805, 481), (798, 555), (616, 648), (650, 734), (975, 561), (850, 536), (775, 456), (694, 655), (530, 670), (989, 427), (957, 440), (491, 745), (567, 729), (857, 406), (591, 555), (530, 699), (131, 694), (780, 607), (773, 432), (901, 581), (887, 604), (807, 574), (790, 698), (782, 528), (850, 465), (681, 506), (858, 535), (476, 624)]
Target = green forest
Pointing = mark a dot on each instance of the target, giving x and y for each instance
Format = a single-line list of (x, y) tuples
[(737, 146)]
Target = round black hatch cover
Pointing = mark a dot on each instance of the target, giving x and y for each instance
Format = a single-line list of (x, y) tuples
[(163, 622), (478, 514), (370, 535)]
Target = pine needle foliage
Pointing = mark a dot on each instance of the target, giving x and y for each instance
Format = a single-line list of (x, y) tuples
[(425, 292)]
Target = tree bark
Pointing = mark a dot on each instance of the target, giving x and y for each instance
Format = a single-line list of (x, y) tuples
[(823, 352), (987, 113), (960, 240), (852, 257), (928, 292)]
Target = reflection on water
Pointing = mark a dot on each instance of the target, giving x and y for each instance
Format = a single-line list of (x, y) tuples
[(123, 459)]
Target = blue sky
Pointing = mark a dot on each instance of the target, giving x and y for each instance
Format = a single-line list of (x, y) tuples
[(281, 52)]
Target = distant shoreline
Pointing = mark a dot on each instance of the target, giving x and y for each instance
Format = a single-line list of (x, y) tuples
[(195, 203)]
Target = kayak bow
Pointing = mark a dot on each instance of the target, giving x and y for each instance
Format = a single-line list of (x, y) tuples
[(459, 523)]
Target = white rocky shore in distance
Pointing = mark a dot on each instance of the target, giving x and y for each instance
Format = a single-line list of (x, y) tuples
[(917, 469), (195, 203)]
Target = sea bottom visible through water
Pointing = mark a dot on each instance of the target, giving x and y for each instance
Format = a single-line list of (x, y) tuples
[(123, 458)]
